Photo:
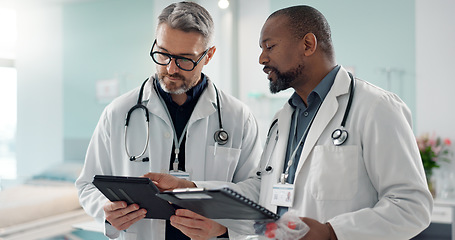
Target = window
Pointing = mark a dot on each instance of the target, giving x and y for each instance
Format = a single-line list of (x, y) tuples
[(8, 94), (8, 31)]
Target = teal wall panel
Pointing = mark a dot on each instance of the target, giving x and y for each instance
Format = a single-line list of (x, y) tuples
[(105, 39), (376, 38)]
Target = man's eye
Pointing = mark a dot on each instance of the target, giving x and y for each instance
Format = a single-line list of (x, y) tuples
[(270, 47)]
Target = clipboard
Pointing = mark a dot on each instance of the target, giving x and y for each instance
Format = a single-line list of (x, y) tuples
[(135, 190), (222, 203)]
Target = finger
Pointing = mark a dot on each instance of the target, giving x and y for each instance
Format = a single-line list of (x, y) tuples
[(168, 182), (126, 221), (188, 222), (317, 230), (119, 220), (189, 214), (193, 233), (113, 206), (198, 227), (114, 216), (131, 208), (162, 181), (155, 177), (191, 219)]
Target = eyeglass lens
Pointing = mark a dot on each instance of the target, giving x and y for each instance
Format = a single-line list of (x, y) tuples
[(165, 59)]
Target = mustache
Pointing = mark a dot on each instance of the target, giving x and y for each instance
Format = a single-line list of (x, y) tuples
[(269, 68), (175, 75)]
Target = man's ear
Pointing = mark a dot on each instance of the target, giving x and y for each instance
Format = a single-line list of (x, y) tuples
[(309, 44), (210, 54)]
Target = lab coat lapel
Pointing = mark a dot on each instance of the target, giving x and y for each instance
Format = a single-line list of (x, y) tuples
[(206, 104), (325, 114), (153, 102), (283, 136)]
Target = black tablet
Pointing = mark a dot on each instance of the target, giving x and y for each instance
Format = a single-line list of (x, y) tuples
[(137, 190), (223, 203)]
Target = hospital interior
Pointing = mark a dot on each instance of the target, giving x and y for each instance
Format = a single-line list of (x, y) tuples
[(63, 61)]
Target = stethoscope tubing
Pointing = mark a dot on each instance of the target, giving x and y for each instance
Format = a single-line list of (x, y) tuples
[(127, 121), (268, 168), (340, 135), (336, 140), (351, 96), (221, 136)]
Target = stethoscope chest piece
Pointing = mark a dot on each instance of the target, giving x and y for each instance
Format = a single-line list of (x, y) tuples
[(221, 137), (339, 136)]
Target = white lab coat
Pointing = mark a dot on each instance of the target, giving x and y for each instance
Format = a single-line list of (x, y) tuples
[(373, 186), (233, 162)]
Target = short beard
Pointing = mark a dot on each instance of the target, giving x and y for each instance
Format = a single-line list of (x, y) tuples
[(183, 89), (284, 80)]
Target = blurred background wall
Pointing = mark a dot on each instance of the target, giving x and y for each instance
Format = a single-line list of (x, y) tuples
[(74, 56)]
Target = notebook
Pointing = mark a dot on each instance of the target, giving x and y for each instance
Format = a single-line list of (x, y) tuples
[(223, 203)]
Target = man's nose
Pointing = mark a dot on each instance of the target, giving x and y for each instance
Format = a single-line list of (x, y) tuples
[(172, 67), (263, 58)]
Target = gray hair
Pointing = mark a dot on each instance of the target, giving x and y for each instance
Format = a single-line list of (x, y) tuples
[(189, 17)]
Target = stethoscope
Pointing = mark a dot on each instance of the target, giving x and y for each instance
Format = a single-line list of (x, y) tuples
[(221, 137), (339, 135), (268, 168)]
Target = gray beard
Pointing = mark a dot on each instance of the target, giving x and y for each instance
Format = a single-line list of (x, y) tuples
[(181, 90)]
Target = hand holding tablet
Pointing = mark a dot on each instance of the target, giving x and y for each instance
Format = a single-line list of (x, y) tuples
[(137, 190)]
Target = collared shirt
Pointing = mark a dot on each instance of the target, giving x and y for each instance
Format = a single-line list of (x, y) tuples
[(180, 115), (304, 120)]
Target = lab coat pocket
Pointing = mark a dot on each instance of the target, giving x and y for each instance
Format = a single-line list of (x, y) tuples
[(221, 163), (334, 172)]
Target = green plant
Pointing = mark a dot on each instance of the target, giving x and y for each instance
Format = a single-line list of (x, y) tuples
[(433, 150)]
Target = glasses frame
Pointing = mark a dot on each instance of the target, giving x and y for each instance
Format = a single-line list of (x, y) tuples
[(170, 56)]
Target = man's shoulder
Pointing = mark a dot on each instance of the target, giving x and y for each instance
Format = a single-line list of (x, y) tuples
[(372, 98), (232, 104), (124, 101), (366, 89)]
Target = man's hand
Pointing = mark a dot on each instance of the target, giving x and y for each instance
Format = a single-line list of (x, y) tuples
[(166, 181), (318, 231), (121, 216), (196, 226)]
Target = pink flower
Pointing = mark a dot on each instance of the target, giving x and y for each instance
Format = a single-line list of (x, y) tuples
[(436, 150), (421, 147), (433, 150)]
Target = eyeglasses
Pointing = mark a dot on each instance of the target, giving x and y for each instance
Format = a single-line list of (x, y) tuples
[(186, 64)]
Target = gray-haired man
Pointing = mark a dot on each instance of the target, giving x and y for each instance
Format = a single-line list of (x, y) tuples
[(196, 130)]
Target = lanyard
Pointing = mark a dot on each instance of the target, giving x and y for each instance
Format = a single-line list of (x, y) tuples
[(177, 142), (285, 175)]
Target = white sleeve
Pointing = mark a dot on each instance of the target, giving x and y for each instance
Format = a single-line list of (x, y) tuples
[(98, 151)]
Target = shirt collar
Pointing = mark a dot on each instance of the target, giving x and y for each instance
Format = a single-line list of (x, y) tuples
[(192, 93), (321, 90)]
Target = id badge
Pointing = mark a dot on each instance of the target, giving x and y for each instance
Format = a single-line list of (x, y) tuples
[(283, 195), (180, 174)]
